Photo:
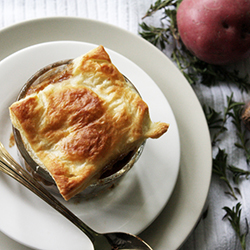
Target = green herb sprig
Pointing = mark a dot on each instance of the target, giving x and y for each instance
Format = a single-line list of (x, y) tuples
[(220, 167), (159, 4), (237, 173), (193, 69), (197, 71), (216, 122), (234, 217)]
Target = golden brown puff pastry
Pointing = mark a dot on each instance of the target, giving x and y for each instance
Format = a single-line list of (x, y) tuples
[(83, 121)]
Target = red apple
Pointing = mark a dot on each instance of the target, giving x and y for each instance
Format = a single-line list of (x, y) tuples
[(215, 31)]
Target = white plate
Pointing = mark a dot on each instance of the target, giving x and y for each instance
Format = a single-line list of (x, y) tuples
[(183, 210), (132, 205)]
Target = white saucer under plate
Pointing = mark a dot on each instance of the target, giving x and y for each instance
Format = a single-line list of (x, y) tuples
[(185, 205)]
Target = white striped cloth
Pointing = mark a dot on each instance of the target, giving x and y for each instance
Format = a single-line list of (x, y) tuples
[(212, 233)]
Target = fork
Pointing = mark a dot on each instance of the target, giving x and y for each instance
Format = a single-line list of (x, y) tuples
[(107, 241)]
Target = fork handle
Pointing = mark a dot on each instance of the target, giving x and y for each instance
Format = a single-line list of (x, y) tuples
[(9, 166)]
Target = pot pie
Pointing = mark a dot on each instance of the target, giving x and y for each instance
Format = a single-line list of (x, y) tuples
[(79, 121)]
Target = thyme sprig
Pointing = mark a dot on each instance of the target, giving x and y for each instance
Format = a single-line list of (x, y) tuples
[(234, 217), (193, 69)]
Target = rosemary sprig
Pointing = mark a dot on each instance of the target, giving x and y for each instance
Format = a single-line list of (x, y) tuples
[(220, 167), (155, 35), (193, 69), (237, 173), (234, 217), (213, 118), (240, 131), (159, 4), (216, 122)]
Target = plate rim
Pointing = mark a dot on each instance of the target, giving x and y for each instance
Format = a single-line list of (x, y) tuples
[(159, 54)]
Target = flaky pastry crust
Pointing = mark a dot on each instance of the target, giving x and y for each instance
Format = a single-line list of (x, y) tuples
[(74, 126)]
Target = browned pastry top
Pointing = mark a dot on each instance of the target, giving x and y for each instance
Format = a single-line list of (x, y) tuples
[(77, 125)]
